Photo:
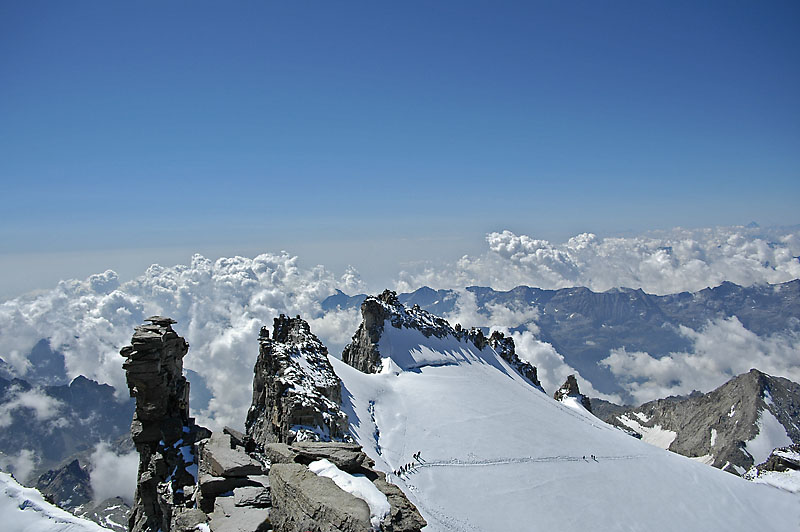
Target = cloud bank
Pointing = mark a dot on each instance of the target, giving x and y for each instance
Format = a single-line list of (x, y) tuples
[(659, 262), (221, 305), (112, 474), (721, 350)]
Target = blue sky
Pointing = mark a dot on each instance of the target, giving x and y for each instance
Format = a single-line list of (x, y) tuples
[(377, 133)]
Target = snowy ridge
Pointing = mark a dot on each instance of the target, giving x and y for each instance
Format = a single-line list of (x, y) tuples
[(25, 510), (476, 447)]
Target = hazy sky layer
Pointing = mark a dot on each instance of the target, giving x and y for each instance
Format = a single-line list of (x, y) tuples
[(379, 133)]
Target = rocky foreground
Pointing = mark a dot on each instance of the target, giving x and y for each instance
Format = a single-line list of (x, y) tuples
[(294, 470)]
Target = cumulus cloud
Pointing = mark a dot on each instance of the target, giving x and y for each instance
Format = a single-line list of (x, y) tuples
[(41, 405), (219, 305), (722, 349), (551, 367), (112, 474), (21, 465), (658, 262)]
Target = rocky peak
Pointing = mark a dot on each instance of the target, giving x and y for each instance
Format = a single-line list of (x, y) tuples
[(296, 394), (504, 346), (570, 389), (718, 425)]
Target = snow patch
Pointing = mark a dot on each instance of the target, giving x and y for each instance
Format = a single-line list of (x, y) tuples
[(654, 435), (24, 509), (358, 486), (771, 435), (707, 459), (713, 437)]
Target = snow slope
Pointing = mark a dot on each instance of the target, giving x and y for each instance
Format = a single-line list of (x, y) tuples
[(24, 510), (497, 454)]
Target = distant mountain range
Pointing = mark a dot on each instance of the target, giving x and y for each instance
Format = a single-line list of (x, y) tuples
[(584, 326)]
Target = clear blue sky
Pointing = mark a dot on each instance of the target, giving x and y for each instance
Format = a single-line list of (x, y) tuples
[(265, 125)]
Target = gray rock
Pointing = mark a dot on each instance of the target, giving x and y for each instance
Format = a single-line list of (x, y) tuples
[(346, 456), (279, 453), (254, 496), (403, 516), (187, 519), (305, 502), (219, 458)]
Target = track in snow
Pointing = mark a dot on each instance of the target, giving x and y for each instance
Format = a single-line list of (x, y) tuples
[(455, 462)]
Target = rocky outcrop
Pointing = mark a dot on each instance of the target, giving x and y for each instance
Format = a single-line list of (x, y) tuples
[(570, 389), (162, 431), (781, 460), (305, 501), (296, 394), (504, 346), (716, 426), (67, 487)]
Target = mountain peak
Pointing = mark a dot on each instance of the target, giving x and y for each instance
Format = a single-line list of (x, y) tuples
[(570, 392)]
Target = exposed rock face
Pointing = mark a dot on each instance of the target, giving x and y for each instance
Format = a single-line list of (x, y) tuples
[(304, 501), (781, 460), (363, 354), (162, 431), (504, 346), (717, 425), (296, 394), (570, 389), (67, 487)]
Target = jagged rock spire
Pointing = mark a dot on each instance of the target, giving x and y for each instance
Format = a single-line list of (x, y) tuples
[(161, 429), (296, 394), (570, 389)]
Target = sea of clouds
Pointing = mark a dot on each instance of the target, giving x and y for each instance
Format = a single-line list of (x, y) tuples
[(221, 305), (660, 263)]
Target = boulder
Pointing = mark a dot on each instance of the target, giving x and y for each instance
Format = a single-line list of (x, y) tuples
[(310, 503), (220, 458)]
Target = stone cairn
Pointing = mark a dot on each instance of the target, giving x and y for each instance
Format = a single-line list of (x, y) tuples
[(162, 430)]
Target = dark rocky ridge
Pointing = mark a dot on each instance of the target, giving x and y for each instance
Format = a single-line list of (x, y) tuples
[(570, 389), (732, 411), (363, 354), (296, 394)]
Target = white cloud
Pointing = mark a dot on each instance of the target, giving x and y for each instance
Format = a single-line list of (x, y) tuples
[(112, 474), (658, 262), (219, 306), (551, 367), (723, 349), (20, 465), (42, 406)]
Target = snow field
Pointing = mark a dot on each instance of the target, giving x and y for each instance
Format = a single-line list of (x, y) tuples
[(497, 454)]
